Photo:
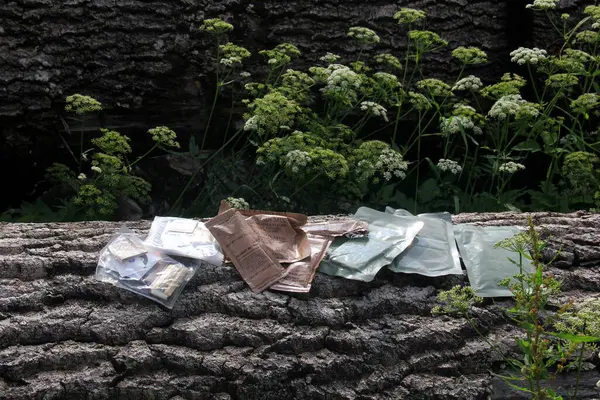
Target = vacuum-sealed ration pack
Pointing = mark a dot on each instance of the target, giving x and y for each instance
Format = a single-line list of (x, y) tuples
[(433, 252)]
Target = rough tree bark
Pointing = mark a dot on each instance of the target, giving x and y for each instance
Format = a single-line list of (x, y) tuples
[(64, 335)]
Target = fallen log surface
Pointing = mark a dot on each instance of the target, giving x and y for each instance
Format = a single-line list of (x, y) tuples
[(64, 335)]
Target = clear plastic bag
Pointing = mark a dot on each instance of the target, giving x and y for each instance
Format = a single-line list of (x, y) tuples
[(433, 252), (486, 265), (362, 258), (126, 263), (184, 237)]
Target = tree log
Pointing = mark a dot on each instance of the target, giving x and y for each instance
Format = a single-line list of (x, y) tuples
[(64, 335)]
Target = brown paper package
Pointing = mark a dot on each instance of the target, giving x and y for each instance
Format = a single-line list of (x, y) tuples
[(279, 231), (254, 261)]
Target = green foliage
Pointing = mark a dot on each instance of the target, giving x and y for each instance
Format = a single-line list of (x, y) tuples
[(552, 340), (375, 130)]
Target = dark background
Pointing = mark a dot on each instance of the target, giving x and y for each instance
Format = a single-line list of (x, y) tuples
[(147, 62)]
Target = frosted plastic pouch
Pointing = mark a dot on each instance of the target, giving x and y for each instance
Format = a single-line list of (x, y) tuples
[(184, 237), (127, 263), (433, 252), (486, 266), (362, 258)]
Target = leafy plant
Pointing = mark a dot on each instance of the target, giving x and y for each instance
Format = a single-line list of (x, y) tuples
[(553, 341)]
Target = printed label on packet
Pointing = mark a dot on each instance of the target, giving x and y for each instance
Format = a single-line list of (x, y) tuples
[(254, 261)]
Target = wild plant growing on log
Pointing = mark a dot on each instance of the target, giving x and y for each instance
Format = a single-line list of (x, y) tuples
[(104, 172), (552, 341)]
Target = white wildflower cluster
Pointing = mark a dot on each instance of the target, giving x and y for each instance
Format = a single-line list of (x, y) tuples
[(455, 124), (342, 80), (363, 35), (330, 58), (97, 169), (511, 167), (543, 4), (470, 83), (386, 80), (419, 101), (82, 177), (365, 170), (375, 109), (296, 159), (251, 124), (245, 74), (239, 203), (392, 164), (233, 55), (514, 105), (449, 166), (524, 55)]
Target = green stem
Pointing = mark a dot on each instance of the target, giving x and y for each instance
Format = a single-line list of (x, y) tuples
[(579, 362), (406, 63), (306, 184), (140, 158), (214, 103), (533, 84), (418, 169), (81, 145), (186, 187)]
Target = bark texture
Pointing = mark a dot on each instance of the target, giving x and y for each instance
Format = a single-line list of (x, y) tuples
[(64, 335)]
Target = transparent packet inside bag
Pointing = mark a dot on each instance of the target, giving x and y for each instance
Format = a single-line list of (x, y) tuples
[(184, 237), (126, 263)]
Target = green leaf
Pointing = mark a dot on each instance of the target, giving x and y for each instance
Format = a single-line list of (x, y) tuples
[(433, 167), (428, 190), (528, 145), (512, 208), (456, 205), (575, 338)]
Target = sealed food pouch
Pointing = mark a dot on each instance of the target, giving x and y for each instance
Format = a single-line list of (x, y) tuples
[(433, 252), (301, 273), (351, 228), (254, 261), (126, 263), (486, 265), (362, 258), (280, 231), (184, 237)]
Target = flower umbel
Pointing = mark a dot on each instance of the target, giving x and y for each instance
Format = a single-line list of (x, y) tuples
[(233, 55), (374, 109), (238, 203), (80, 104), (408, 16), (455, 124), (513, 105), (295, 160), (450, 166), (330, 58), (216, 26), (363, 35), (389, 61), (164, 136), (524, 55), (470, 55), (543, 4), (470, 83), (510, 167)]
